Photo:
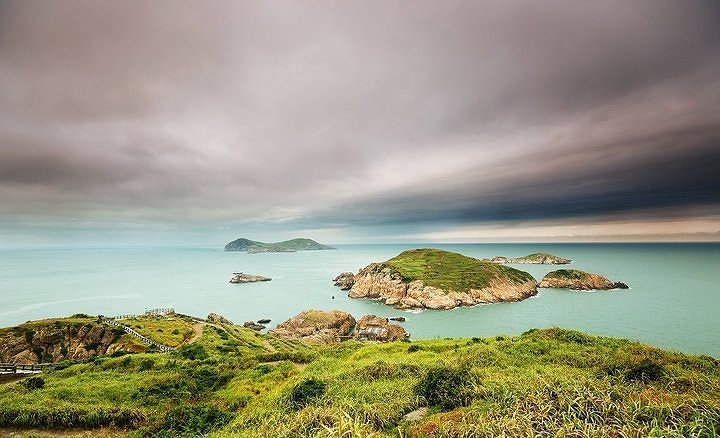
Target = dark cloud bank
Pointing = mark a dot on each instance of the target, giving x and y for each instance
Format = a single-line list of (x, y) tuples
[(198, 121)]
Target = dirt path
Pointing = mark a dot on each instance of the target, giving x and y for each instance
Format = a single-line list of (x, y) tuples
[(197, 332), (269, 346)]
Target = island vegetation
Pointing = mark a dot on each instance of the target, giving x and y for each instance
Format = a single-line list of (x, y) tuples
[(234, 382), (437, 279), (293, 245)]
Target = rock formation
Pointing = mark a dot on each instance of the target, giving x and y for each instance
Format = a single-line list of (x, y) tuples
[(579, 280), (240, 277), (55, 340), (253, 326), (540, 258), (316, 326), (375, 328), (435, 279), (345, 280), (218, 319), (324, 327)]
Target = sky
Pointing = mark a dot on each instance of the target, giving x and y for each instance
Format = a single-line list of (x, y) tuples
[(358, 121)]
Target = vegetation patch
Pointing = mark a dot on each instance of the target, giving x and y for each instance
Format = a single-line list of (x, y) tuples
[(450, 271)]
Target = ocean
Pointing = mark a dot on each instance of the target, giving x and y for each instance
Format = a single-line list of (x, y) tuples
[(673, 301)]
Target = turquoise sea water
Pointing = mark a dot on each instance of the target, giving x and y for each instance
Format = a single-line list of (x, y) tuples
[(674, 300)]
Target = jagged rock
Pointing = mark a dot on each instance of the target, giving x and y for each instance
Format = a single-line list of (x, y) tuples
[(579, 280), (410, 290), (240, 277), (316, 326), (345, 280), (263, 321), (398, 318), (375, 328), (218, 319), (253, 326)]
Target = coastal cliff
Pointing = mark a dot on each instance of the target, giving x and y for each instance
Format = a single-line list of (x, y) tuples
[(579, 280), (54, 340), (435, 279)]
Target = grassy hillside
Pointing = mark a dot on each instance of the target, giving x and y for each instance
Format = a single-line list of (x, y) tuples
[(235, 382), (449, 270), (292, 245)]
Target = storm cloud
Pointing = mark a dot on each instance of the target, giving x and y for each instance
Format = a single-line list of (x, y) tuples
[(382, 118)]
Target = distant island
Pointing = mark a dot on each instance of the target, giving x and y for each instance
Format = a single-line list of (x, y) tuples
[(435, 279), (293, 245), (579, 280), (538, 258)]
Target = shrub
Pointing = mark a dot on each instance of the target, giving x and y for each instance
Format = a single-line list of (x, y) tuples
[(305, 392), (646, 371), (413, 348), (29, 336), (33, 383), (146, 364), (194, 420), (192, 352), (208, 378), (445, 387)]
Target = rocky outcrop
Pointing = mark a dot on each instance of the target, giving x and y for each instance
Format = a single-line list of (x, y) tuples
[(218, 319), (540, 258), (253, 326), (579, 280), (240, 277), (316, 326), (325, 327), (384, 282), (57, 340), (345, 280), (375, 328)]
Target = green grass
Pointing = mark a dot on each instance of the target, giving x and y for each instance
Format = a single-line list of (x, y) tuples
[(550, 382), (569, 274), (171, 331), (450, 271)]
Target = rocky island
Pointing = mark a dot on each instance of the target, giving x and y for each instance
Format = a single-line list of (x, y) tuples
[(539, 258), (579, 280), (240, 277), (293, 245), (436, 279), (326, 327)]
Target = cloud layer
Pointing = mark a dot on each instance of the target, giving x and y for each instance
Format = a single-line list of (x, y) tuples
[(380, 116)]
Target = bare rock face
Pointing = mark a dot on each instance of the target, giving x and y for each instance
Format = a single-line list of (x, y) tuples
[(240, 277), (377, 281), (218, 319), (375, 328), (579, 280), (316, 326), (345, 280), (58, 340)]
